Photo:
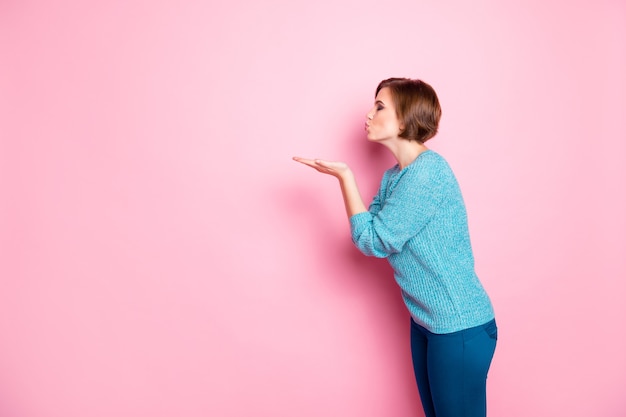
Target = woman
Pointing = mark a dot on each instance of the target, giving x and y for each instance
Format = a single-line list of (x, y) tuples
[(418, 221)]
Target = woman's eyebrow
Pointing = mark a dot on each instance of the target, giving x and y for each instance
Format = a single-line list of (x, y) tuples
[(379, 102)]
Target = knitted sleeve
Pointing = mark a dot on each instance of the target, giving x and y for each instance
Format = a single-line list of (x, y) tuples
[(412, 198), (376, 203)]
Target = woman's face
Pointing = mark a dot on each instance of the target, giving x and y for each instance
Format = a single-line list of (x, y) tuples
[(382, 122)]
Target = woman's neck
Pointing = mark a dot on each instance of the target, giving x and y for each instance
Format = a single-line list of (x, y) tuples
[(405, 151)]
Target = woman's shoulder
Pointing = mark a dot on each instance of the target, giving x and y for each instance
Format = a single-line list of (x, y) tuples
[(429, 160), (430, 156), (430, 166)]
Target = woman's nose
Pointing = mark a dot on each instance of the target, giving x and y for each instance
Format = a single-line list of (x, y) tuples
[(369, 115)]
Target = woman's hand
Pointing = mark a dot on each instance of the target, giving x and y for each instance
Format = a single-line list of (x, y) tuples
[(336, 169), (351, 196)]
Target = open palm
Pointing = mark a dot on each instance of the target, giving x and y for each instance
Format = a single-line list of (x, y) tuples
[(334, 168)]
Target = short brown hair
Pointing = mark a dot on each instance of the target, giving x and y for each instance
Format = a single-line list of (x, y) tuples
[(417, 107)]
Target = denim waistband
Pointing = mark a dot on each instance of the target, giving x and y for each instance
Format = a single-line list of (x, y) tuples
[(489, 326)]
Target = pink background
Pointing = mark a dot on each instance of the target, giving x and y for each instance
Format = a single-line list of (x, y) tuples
[(161, 255)]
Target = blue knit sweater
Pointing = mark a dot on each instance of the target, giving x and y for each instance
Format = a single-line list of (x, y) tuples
[(418, 221)]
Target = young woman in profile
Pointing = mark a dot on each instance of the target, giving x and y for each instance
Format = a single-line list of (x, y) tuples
[(418, 221)]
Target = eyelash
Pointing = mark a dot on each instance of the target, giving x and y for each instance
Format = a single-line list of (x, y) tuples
[(379, 107)]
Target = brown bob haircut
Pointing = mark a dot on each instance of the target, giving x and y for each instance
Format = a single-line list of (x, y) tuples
[(417, 107)]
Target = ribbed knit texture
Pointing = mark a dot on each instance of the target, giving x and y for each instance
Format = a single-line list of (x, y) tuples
[(418, 221)]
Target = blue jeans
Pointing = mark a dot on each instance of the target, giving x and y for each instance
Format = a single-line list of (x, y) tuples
[(451, 369)]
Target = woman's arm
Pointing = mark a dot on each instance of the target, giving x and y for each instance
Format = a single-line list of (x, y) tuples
[(349, 189), (412, 198)]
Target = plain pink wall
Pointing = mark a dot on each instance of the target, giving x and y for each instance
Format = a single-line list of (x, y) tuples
[(161, 255)]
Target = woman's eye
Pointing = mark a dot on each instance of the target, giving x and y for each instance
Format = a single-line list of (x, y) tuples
[(379, 107)]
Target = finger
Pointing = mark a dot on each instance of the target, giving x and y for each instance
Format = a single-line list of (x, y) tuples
[(325, 164), (308, 162), (303, 160)]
